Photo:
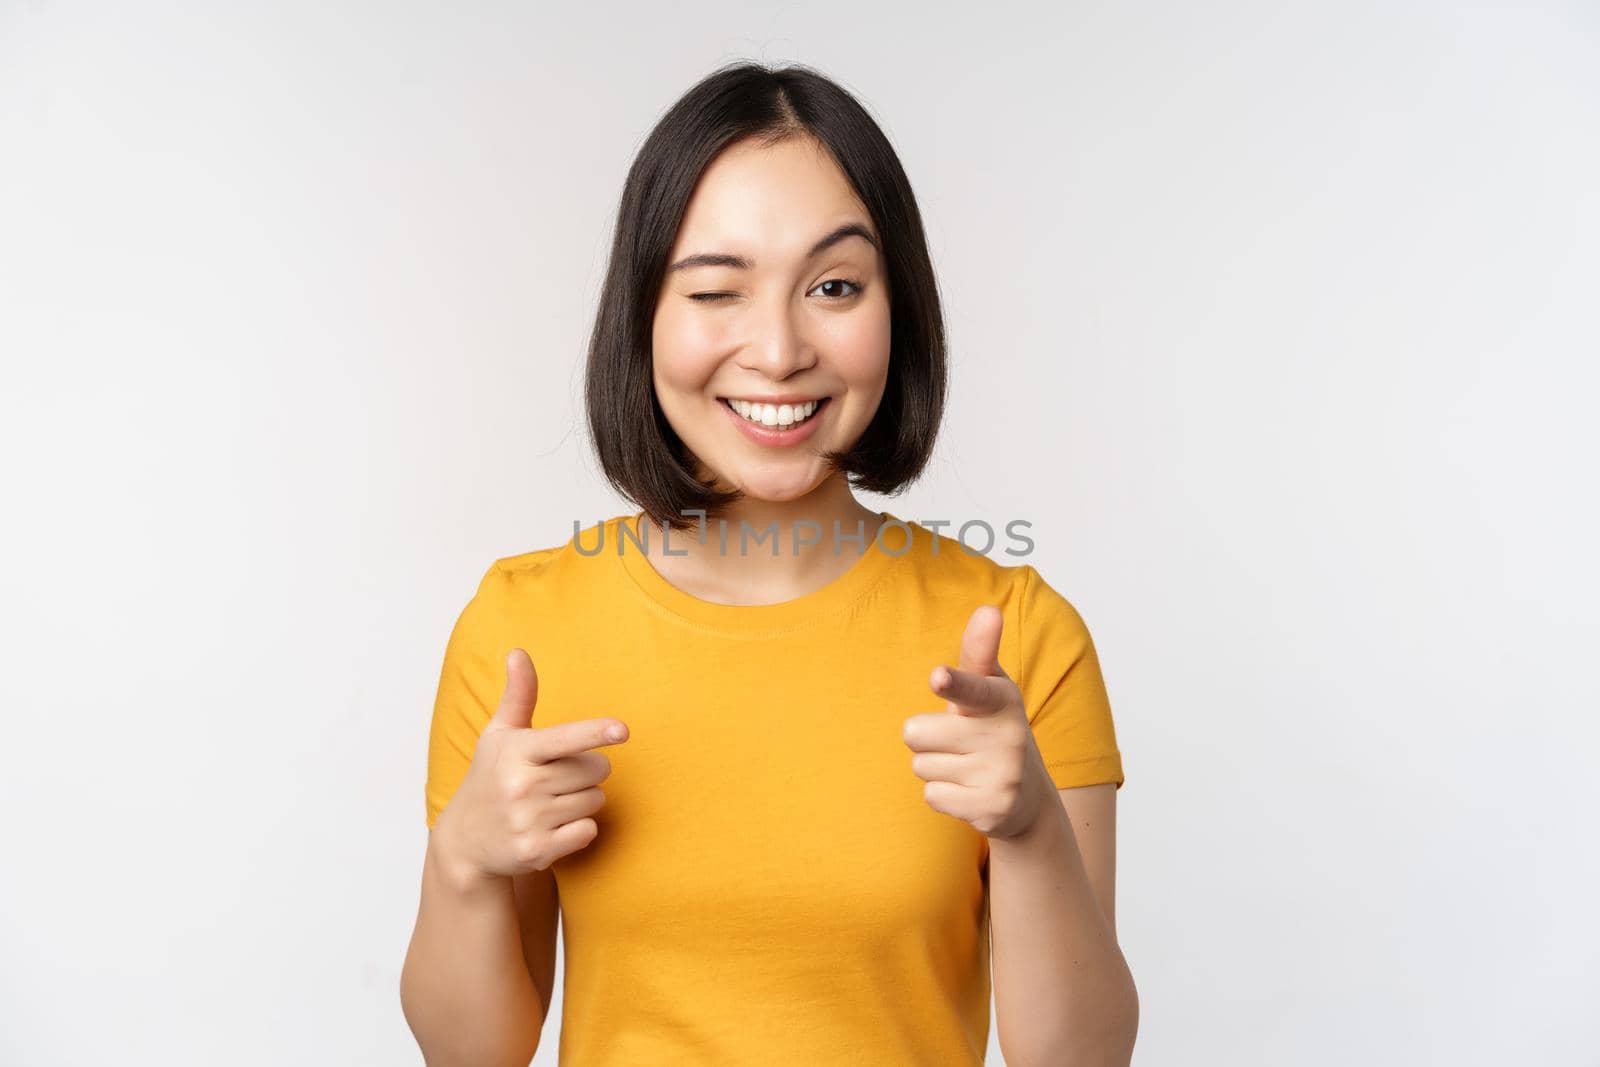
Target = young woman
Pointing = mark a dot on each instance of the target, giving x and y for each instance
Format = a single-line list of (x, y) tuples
[(840, 751)]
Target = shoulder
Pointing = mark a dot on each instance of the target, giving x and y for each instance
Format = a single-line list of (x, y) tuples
[(1041, 604), (1043, 632), (552, 571), (984, 565)]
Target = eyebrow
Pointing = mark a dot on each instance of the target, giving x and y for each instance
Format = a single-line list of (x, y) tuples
[(725, 259)]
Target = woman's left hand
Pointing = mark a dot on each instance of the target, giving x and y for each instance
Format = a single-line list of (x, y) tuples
[(978, 756)]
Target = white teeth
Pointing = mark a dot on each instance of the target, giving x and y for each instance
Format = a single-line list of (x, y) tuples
[(775, 415)]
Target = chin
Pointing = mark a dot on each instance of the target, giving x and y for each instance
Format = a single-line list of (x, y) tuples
[(776, 491)]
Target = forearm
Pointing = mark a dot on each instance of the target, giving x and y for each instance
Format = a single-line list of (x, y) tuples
[(1064, 996), (465, 989)]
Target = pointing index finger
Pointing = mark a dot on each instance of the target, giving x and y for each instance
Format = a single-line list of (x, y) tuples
[(969, 691), (549, 743)]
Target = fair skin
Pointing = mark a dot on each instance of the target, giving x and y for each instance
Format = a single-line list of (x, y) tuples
[(801, 316), (791, 320)]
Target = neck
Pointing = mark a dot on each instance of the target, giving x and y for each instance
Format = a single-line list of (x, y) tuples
[(712, 561)]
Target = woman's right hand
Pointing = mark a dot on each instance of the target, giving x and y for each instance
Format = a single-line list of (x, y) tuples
[(527, 797)]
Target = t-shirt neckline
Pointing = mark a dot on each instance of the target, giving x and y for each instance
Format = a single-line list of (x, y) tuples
[(749, 619)]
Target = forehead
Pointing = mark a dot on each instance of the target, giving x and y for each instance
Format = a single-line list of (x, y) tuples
[(776, 200)]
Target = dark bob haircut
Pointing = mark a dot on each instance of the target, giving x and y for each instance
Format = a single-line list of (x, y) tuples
[(640, 454)]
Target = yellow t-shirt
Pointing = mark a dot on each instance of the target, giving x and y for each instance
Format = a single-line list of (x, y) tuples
[(768, 885)]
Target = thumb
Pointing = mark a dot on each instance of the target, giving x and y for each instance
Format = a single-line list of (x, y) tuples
[(521, 693), (980, 643)]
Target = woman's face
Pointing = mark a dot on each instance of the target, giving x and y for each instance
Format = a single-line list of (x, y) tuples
[(751, 309)]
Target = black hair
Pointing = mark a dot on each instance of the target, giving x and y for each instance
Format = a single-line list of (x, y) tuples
[(640, 454)]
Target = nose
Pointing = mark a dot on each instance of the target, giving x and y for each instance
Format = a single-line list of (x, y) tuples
[(777, 347)]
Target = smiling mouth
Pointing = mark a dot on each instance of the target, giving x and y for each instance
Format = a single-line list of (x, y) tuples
[(776, 416)]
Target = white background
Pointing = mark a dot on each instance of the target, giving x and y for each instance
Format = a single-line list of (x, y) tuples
[(1279, 322)]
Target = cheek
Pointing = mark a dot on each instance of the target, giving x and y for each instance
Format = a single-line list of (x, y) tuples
[(858, 347), (684, 354)]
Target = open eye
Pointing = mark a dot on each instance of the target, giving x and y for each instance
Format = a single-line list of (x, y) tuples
[(855, 287), (855, 290)]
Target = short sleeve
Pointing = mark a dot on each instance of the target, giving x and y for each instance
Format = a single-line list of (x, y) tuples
[(1063, 690), (470, 682)]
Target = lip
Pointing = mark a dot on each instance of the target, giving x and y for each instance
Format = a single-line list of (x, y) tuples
[(781, 398), (776, 438)]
